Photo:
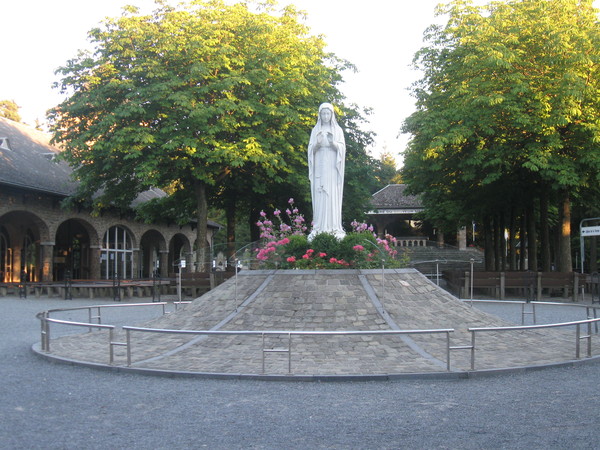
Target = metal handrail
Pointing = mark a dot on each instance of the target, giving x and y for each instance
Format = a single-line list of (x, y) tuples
[(46, 332), (576, 324), (588, 308), (263, 333), (45, 320)]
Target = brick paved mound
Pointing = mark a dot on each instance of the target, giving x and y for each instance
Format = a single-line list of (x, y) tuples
[(325, 301)]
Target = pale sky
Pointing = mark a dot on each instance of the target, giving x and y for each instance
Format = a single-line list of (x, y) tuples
[(379, 36)]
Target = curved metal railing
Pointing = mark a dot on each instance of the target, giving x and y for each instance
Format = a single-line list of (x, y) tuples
[(46, 320)]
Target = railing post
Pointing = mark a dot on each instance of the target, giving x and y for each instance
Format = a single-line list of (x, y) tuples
[(577, 339), (263, 352), (111, 352), (289, 353), (472, 349), (448, 351), (45, 331), (471, 280), (589, 339), (128, 340)]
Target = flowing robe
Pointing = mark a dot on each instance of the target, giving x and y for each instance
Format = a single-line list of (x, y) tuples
[(326, 164)]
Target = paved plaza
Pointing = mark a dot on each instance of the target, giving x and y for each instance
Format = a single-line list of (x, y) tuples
[(326, 301), (57, 406)]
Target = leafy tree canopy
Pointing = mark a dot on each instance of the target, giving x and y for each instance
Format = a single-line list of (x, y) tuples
[(9, 110), (188, 95), (509, 105)]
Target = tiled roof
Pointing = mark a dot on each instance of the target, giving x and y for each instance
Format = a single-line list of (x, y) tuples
[(393, 196), (27, 162)]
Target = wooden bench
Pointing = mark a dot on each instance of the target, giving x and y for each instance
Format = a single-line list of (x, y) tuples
[(87, 288), (530, 284), (195, 284)]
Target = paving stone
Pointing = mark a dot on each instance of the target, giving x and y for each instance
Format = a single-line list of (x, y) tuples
[(325, 301)]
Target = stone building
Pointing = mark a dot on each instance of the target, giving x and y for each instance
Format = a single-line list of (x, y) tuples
[(42, 241), (394, 213)]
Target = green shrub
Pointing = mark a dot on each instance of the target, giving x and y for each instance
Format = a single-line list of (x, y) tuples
[(358, 258), (325, 243), (297, 246)]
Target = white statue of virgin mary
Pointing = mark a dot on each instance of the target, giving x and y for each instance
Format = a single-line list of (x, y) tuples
[(326, 163)]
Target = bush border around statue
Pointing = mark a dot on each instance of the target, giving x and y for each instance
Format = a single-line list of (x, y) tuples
[(286, 246)]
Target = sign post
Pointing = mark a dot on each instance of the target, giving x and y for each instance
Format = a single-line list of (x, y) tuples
[(181, 266), (586, 232)]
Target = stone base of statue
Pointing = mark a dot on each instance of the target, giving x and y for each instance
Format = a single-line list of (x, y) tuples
[(339, 234)]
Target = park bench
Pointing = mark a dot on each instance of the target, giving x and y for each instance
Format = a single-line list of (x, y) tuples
[(195, 284), (530, 285)]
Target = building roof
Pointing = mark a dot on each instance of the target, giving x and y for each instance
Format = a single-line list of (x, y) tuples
[(27, 161), (393, 196)]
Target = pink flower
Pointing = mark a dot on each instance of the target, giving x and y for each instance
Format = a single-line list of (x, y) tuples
[(290, 201), (333, 261), (310, 251), (358, 248), (291, 259), (306, 256), (263, 214), (322, 255)]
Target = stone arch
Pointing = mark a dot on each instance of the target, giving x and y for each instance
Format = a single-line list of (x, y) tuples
[(73, 243), (117, 252), (153, 248), (25, 232), (179, 248)]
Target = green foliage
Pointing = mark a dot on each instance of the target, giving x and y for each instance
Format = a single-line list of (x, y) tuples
[(386, 171), (297, 246), (325, 243), (206, 97), (350, 241), (9, 110), (509, 107)]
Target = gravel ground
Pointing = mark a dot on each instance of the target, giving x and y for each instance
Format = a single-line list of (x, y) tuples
[(53, 406)]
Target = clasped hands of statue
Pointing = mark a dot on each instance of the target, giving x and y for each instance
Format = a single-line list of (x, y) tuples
[(324, 138)]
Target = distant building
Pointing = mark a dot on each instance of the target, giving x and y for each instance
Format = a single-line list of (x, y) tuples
[(41, 241), (394, 212)]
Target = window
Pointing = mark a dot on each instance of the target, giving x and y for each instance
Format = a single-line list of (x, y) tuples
[(116, 254)]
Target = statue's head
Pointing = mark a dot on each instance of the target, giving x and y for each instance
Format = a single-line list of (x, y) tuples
[(326, 113)]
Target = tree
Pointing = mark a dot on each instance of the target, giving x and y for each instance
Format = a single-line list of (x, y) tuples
[(189, 97), (508, 112), (9, 110), (387, 172)]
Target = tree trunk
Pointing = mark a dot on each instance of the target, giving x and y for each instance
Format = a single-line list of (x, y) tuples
[(488, 243), (593, 254), (565, 263), (231, 217), (202, 250), (253, 217), (545, 233), (498, 238), (523, 242), (512, 243), (531, 236)]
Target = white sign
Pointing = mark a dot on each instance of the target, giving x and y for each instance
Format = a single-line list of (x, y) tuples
[(395, 211), (590, 231), (182, 263)]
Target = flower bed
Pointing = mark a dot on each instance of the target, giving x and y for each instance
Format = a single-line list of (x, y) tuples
[(286, 246)]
